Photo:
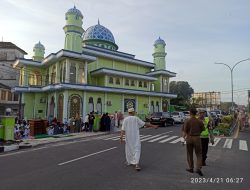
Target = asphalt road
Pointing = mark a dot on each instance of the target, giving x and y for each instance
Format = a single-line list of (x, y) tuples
[(97, 163)]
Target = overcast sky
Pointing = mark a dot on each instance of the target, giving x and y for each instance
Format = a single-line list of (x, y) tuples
[(197, 34)]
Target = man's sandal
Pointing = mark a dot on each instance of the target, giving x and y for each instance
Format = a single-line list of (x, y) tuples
[(137, 168)]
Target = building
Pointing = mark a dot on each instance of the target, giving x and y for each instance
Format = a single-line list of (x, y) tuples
[(211, 100), (9, 53), (9, 76), (8, 100), (90, 74)]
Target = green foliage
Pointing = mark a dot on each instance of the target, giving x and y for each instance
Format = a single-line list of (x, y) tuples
[(225, 126), (227, 119), (184, 92)]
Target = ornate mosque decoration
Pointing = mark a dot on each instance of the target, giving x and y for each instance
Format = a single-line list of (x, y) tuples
[(159, 41), (74, 11), (100, 36), (39, 46)]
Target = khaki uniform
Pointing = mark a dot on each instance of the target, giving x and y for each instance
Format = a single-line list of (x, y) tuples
[(192, 129)]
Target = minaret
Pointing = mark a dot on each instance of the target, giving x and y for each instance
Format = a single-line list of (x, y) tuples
[(39, 52), (159, 54), (73, 30)]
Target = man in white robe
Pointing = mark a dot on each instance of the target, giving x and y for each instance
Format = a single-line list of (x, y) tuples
[(130, 128)]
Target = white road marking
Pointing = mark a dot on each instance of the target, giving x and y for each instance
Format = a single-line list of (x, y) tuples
[(145, 136), (228, 143), (111, 138), (159, 138), (177, 140), (63, 163), (150, 138), (20, 152), (243, 145), (168, 139), (216, 141)]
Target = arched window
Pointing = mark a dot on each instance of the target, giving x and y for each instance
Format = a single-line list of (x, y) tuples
[(52, 107), (60, 108), (140, 83), (165, 85), (152, 107), (81, 74), (164, 105), (47, 79), (145, 85), (53, 75), (64, 71), (72, 74), (111, 80), (117, 81), (132, 83), (157, 108), (152, 87), (61, 74), (91, 104), (31, 79), (127, 82), (99, 106)]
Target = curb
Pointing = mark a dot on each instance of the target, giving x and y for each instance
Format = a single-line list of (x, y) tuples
[(8, 148)]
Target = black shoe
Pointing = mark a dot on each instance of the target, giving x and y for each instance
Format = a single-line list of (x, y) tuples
[(137, 167), (190, 170), (199, 172)]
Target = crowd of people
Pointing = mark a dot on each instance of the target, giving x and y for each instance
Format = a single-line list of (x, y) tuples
[(78, 124), (108, 122), (21, 129)]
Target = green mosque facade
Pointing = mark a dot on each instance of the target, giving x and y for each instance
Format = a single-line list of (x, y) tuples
[(90, 74)]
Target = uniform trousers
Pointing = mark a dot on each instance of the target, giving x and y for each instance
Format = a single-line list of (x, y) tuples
[(194, 145)]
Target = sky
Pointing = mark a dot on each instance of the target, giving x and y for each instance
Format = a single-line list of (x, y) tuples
[(197, 33)]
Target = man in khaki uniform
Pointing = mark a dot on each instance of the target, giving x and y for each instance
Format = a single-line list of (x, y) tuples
[(191, 132)]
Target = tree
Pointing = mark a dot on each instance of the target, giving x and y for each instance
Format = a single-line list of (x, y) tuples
[(184, 93)]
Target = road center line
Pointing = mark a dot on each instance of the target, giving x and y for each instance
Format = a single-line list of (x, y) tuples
[(63, 163)]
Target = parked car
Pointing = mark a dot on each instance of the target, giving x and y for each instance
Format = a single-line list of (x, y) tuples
[(161, 118), (187, 114), (178, 117)]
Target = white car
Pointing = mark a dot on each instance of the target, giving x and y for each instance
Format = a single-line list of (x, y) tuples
[(187, 114), (178, 117)]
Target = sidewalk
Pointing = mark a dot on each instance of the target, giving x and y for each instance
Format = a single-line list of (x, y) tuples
[(29, 143)]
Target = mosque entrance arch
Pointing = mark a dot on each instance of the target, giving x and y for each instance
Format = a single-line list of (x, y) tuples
[(164, 105), (75, 105), (52, 107), (60, 108)]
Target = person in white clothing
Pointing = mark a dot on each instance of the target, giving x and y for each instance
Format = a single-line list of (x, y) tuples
[(130, 128)]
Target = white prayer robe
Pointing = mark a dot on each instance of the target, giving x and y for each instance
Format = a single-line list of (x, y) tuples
[(131, 125)]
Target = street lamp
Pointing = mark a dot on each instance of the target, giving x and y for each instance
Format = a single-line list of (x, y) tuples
[(231, 70)]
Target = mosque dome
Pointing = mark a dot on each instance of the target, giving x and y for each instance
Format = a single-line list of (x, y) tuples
[(74, 11), (101, 34), (39, 46), (159, 41)]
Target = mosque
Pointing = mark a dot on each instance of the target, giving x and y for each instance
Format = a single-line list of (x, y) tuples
[(90, 74)]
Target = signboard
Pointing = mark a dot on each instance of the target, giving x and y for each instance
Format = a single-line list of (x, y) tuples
[(129, 103)]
